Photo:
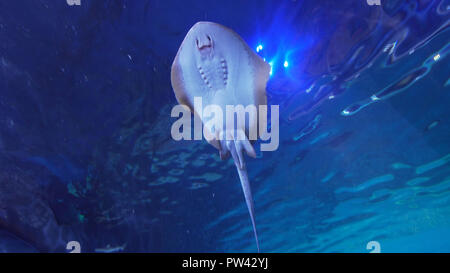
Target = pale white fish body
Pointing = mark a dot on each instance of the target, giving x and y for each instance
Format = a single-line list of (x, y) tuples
[(216, 64)]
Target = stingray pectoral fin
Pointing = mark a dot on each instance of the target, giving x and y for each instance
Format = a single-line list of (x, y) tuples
[(245, 183)]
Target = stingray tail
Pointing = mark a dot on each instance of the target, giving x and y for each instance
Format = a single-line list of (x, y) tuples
[(248, 199), (236, 148)]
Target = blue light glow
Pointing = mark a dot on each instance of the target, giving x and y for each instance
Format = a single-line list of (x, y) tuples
[(282, 53)]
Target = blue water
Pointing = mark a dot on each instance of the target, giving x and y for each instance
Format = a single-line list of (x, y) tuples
[(86, 153)]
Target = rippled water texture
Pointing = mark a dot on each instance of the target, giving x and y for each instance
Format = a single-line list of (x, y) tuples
[(86, 152)]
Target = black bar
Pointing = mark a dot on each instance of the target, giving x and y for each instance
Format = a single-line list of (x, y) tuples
[(231, 262)]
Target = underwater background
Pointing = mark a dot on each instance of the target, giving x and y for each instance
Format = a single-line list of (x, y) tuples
[(86, 153)]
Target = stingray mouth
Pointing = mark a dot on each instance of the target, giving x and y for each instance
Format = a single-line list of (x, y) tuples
[(205, 47), (204, 44)]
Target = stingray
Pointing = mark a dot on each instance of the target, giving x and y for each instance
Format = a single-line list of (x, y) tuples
[(215, 63)]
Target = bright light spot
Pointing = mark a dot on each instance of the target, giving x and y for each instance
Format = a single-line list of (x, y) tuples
[(331, 97), (286, 64), (271, 68), (259, 48), (437, 57), (390, 47), (374, 98)]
